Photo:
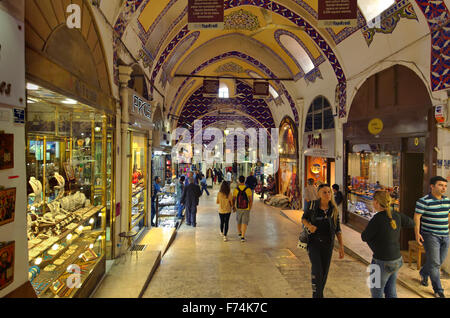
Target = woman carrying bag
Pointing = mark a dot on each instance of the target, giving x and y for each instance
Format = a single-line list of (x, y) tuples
[(382, 234), (322, 221)]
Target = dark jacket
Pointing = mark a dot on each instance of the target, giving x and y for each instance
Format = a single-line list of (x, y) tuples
[(251, 182), (382, 239), (311, 217), (191, 195), (338, 198)]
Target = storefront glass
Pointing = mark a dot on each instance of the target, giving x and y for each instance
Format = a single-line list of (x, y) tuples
[(67, 193), (139, 181), (369, 171), (288, 169)]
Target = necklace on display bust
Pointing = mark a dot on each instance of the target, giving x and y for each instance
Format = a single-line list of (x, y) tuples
[(37, 189)]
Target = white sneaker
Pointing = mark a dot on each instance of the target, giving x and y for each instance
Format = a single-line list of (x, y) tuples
[(225, 239)]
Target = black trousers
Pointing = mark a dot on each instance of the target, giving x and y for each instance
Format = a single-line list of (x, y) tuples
[(224, 220), (320, 252)]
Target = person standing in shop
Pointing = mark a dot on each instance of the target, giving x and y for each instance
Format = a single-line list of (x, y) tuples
[(432, 218), (382, 234), (190, 199), (338, 198), (155, 190), (321, 219), (225, 202), (310, 192), (180, 188), (242, 203), (204, 184)]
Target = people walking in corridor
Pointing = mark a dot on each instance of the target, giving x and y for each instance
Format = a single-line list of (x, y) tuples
[(204, 185), (431, 230), (382, 234), (310, 192), (251, 182), (242, 203), (190, 199), (179, 193), (225, 202), (322, 221)]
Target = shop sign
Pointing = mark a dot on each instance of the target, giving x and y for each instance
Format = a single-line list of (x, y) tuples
[(140, 107), (375, 126), (206, 14), (12, 61), (337, 13), (319, 144)]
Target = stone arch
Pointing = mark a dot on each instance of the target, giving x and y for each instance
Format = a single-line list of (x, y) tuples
[(46, 35)]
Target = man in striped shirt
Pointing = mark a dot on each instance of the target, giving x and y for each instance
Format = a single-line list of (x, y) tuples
[(432, 219)]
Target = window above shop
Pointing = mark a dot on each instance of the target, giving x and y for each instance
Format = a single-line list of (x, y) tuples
[(373, 8), (298, 52), (320, 115)]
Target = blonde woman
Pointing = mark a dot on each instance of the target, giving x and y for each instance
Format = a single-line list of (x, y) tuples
[(382, 235), (321, 218)]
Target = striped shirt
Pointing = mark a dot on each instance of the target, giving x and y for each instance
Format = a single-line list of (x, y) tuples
[(434, 214)]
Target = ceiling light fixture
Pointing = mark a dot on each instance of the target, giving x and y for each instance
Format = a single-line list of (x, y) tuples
[(69, 101), (32, 87)]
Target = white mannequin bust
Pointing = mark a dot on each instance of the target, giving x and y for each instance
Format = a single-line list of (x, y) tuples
[(36, 185)]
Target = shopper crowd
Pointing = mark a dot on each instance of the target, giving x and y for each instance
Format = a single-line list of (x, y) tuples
[(322, 221)]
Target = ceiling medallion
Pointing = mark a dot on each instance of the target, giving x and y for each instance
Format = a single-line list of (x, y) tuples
[(241, 20), (230, 67)]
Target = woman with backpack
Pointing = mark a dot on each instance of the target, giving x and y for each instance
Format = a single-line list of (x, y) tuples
[(382, 234), (321, 219), (225, 202)]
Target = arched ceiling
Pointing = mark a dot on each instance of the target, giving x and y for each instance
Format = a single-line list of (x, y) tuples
[(258, 38)]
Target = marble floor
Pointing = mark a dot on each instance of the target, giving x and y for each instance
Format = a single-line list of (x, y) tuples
[(199, 264)]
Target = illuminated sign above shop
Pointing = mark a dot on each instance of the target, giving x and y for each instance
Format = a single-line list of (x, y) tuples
[(141, 107)]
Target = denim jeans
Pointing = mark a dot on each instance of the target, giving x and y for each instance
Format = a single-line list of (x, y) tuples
[(205, 188), (386, 282), (436, 248), (180, 210)]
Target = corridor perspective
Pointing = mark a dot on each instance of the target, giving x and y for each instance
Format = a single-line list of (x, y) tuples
[(122, 122), (199, 264)]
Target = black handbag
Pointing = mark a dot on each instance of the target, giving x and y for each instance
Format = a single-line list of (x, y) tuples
[(304, 234)]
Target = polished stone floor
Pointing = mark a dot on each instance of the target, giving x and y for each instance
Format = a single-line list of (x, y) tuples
[(199, 264)]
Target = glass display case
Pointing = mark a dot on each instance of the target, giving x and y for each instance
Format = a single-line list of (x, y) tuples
[(369, 171), (166, 207), (67, 164), (138, 173)]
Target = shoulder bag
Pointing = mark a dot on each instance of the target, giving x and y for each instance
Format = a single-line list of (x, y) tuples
[(304, 234)]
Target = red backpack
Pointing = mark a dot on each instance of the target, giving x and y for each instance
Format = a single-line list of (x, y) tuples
[(242, 202)]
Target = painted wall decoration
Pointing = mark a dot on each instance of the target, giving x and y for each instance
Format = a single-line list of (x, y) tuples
[(230, 67), (389, 20), (198, 107), (241, 20), (6, 151), (437, 15), (6, 263), (7, 206), (256, 63)]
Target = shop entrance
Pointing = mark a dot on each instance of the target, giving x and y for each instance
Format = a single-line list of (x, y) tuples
[(412, 164)]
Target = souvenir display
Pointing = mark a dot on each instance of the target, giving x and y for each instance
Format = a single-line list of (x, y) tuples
[(166, 209), (370, 172), (7, 205), (6, 263), (6, 151)]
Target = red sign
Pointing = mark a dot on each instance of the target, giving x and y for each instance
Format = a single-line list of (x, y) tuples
[(205, 14), (337, 13)]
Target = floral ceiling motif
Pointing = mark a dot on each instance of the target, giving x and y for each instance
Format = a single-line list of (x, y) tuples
[(241, 20), (230, 67), (389, 19)]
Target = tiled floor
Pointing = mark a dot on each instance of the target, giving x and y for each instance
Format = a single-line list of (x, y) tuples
[(200, 264)]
